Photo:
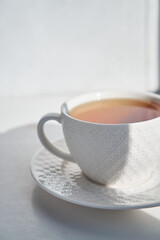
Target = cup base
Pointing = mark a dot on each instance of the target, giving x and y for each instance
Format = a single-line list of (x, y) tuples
[(93, 181), (118, 184)]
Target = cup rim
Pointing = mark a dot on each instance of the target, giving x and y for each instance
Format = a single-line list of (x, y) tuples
[(144, 96)]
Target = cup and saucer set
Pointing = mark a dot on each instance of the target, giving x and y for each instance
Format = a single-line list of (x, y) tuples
[(107, 166)]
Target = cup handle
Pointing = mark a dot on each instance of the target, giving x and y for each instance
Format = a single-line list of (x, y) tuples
[(46, 143)]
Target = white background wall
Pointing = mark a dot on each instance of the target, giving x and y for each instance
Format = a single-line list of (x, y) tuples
[(49, 46)]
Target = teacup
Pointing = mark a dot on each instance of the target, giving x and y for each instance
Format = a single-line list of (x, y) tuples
[(118, 155)]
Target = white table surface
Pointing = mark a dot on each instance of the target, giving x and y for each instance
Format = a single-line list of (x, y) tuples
[(28, 212)]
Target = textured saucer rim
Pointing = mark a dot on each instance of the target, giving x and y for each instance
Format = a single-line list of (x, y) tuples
[(85, 204)]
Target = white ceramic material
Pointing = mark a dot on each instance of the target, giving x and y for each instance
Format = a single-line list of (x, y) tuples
[(65, 180), (116, 155)]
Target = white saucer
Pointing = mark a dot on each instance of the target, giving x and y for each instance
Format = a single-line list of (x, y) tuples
[(65, 180)]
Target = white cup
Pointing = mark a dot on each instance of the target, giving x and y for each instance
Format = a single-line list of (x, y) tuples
[(119, 155)]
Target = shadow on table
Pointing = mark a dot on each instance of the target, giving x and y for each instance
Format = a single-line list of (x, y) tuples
[(70, 221)]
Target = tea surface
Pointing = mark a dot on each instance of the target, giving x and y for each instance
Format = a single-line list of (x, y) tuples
[(116, 111)]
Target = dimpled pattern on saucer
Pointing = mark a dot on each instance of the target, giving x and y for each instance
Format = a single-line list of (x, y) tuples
[(66, 181)]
